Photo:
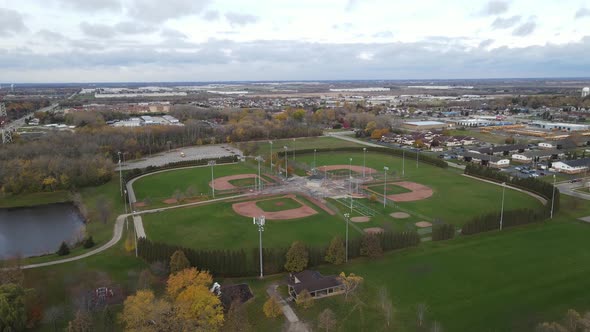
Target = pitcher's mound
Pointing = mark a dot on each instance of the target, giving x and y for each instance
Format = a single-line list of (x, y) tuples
[(373, 230), (170, 201), (423, 224), (400, 215), (360, 219)]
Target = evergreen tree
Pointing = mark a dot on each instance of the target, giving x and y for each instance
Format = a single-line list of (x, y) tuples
[(336, 253), (297, 257), (64, 249)]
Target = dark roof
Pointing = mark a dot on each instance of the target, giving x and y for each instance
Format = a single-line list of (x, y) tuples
[(502, 148), (312, 281), (566, 144), (542, 153), (578, 162), (482, 156)]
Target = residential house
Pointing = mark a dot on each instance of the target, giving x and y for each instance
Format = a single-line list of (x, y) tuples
[(317, 285)]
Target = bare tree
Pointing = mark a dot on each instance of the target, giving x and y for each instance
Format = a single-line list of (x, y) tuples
[(327, 320), (421, 311), (436, 327), (103, 208), (386, 305), (53, 315)]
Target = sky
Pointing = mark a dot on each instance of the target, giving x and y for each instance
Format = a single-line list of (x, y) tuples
[(229, 40)]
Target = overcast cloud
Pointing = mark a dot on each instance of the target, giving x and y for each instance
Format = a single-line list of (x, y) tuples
[(212, 40)]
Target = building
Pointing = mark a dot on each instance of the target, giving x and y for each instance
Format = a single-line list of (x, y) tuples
[(424, 125), (560, 145), (537, 155), (560, 126), (317, 285), (504, 150), (572, 166), (486, 160), (585, 92)]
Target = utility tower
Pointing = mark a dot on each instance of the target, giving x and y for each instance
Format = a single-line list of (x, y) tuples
[(6, 134)]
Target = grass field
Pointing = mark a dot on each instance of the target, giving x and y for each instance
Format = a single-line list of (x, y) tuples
[(217, 226), (390, 189), (279, 204), (323, 142), (244, 182), (26, 200), (499, 281), (162, 185), (456, 198)]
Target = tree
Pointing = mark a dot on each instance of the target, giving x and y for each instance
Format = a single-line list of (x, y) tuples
[(103, 208), (143, 312), (327, 320), (181, 280), (351, 283), (297, 257), (64, 249), (178, 262), (271, 308), (199, 309), (336, 251), (371, 246), (421, 311), (510, 140), (82, 322), (129, 242), (88, 242), (236, 319), (13, 315), (386, 305), (304, 299), (373, 198)]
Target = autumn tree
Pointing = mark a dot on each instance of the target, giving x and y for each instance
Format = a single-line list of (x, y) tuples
[(143, 312), (336, 253), (199, 309), (327, 320), (82, 322), (236, 319), (13, 315), (178, 262), (304, 299), (181, 280), (271, 308), (297, 257), (371, 246), (351, 283)]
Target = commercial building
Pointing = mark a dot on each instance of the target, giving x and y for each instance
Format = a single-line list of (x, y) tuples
[(425, 125), (560, 126)]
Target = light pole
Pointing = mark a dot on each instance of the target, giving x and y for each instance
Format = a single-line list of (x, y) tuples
[(346, 217), (553, 196), (417, 155), (260, 223), (270, 156), (212, 163), (403, 163), (125, 202), (385, 169), (259, 159), (350, 181), (502, 211), (120, 174), (293, 149), (364, 160), (314, 160), (286, 163)]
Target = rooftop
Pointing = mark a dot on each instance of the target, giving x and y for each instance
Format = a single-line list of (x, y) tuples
[(424, 123)]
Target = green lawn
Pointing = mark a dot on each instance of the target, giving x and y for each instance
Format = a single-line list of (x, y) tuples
[(162, 185), (244, 182), (323, 142), (456, 198), (498, 281), (390, 189), (26, 200), (278, 204), (217, 226)]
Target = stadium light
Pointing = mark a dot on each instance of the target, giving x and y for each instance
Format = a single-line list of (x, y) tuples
[(286, 163), (212, 163), (260, 221), (502, 211), (364, 160), (270, 142), (385, 169), (347, 218), (553, 196), (259, 159)]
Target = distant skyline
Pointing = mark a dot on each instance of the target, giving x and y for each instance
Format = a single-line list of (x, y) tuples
[(223, 40)]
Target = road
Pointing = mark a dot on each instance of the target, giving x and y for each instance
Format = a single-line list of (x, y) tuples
[(14, 125), (567, 188)]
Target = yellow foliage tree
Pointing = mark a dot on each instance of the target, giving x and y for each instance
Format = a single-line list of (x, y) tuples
[(143, 312), (199, 308), (350, 282), (129, 242), (304, 299), (271, 308), (181, 280)]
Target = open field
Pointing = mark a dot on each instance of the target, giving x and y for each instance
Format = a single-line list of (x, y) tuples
[(323, 142), (162, 185), (498, 281), (41, 198), (456, 198), (217, 226)]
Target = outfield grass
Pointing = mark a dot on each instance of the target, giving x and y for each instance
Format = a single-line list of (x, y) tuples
[(322, 142), (160, 186), (456, 198), (278, 204), (498, 281), (390, 189), (217, 226), (244, 182)]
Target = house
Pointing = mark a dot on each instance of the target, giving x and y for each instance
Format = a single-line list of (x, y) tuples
[(572, 166), (537, 155), (486, 160), (504, 150), (565, 144), (317, 285)]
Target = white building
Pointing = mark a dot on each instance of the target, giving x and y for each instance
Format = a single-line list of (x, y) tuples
[(572, 166), (585, 92), (560, 126)]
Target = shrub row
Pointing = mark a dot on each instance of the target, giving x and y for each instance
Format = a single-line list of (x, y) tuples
[(441, 232), (239, 263)]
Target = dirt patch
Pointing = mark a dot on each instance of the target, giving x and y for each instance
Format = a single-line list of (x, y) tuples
[(223, 183), (170, 201), (360, 219), (419, 192), (250, 209), (423, 224), (373, 230), (280, 203), (139, 204), (400, 215), (354, 168)]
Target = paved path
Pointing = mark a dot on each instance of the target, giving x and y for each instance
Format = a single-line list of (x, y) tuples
[(567, 188), (118, 232), (138, 224), (345, 136), (585, 219), (295, 324), (538, 197)]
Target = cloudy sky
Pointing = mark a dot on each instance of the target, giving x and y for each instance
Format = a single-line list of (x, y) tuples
[(216, 40)]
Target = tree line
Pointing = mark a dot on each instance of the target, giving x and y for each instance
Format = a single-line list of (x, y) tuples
[(242, 262)]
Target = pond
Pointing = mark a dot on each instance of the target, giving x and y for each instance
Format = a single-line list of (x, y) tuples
[(38, 230)]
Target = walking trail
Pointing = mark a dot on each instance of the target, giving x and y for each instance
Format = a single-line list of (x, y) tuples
[(295, 325)]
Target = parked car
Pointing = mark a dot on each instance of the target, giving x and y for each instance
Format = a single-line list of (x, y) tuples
[(575, 180)]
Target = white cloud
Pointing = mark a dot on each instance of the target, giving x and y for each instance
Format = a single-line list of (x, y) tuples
[(239, 19), (582, 12), (495, 7), (525, 29), (11, 22), (505, 23)]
